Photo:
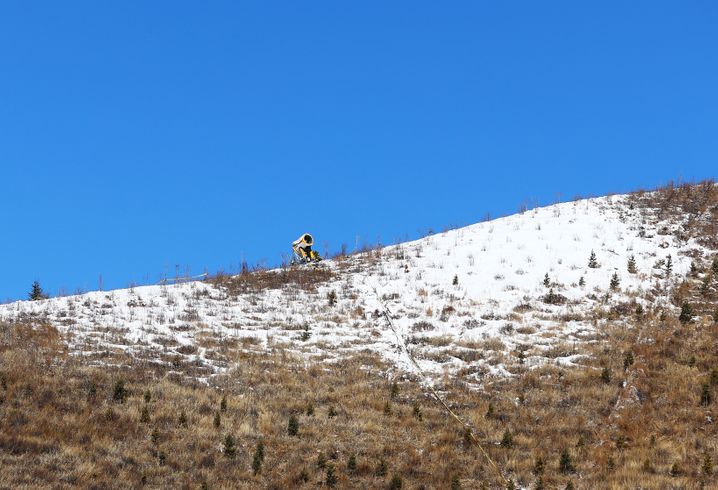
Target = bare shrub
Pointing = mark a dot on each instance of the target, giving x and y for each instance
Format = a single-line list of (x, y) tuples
[(304, 278)]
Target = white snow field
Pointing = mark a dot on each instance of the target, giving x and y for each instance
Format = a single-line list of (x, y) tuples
[(495, 317)]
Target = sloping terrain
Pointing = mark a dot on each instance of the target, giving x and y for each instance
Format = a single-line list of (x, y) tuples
[(268, 380), (466, 301)]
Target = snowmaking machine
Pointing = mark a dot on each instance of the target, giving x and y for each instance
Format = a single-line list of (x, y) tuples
[(303, 252)]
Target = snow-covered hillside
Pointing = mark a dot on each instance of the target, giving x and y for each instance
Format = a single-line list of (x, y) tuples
[(471, 301)]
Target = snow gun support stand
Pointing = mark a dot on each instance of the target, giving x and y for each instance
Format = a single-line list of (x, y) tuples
[(303, 253)]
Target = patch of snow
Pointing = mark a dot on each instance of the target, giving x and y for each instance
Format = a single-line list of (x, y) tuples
[(477, 326)]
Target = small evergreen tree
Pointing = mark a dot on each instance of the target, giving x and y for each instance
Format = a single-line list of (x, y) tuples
[(331, 479), (467, 438), (632, 265), (669, 265), (217, 420), (293, 426), (381, 468), (490, 411), (310, 410), (148, 396), (639, 311), (707, 465), (686, 315), (455, 483), (507, 440), (36, 293), (417, 412), (229, 447), (182, 420), (539, 483), (620, 441), (592, 262), (394, 390), (582, 282), (332, 412), (387, 408), (332, 298), (615, 282), (258, 458), (546, 280), (145, 415), (455, 282), (694, 269), (120, 392), (706, 397), (628, 360), (539, 466), (396, 482), (565, 464), (352, 463), (223, 403), (606, 375)]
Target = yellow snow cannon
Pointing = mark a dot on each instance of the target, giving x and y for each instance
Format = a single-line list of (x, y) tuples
[(302, 248)]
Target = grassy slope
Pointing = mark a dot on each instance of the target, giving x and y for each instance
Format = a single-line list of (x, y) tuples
[(645, 427)]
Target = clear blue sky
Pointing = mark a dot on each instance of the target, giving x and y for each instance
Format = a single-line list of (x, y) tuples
[(138, 135)]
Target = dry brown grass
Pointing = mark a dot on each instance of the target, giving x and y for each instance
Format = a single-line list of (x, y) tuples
[(60, 426), (696, 201), (644, 428), (303, 277)]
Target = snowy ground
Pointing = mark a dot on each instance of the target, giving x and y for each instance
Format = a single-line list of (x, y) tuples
[(493, 318)]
